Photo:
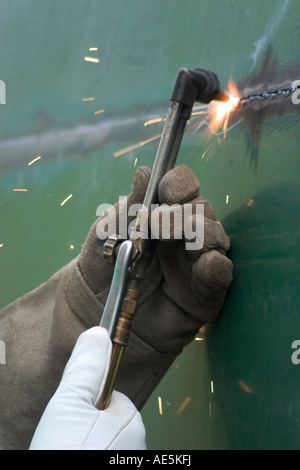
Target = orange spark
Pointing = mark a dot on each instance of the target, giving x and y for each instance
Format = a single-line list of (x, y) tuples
[(183, 405), (135, 146), (153, 121)]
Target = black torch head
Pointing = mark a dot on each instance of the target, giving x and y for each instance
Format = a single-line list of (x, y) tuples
[(197, 85), (208, 86)]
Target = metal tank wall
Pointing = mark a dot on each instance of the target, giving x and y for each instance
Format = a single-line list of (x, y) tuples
[(235, 386)]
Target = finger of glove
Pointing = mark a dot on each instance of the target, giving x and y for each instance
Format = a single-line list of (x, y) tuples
[(209, 212), (178, 185), (139, 185), (198, 232), (205, 235), (212, 276)]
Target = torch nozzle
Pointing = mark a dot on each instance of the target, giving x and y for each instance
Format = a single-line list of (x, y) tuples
[(221, 96), (197, 85)]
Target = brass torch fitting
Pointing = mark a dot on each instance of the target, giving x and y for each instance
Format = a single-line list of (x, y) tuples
[(128, 310)]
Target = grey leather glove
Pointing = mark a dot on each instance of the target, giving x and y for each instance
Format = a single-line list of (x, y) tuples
[(182, 290)]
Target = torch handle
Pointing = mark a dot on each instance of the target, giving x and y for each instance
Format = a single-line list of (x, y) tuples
[(190, 86)]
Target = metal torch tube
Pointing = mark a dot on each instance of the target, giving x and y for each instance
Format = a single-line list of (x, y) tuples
[(117, 290), (115, 360), (165, 148), (164, 161)]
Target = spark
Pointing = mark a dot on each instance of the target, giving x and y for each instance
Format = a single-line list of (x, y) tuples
[(135, 146), (66, 199), (153, 121), (1, 245), (93, 48), (99, 111), (71, 247), (20, 190), (196, 113), (34, 160), (245, 387), (135, 162), (88, 99), (205, 152), (91, 59), (183, 405), (212, 386), (160, 406), (227, 199)]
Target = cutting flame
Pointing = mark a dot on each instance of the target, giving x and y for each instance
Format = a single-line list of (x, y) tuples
[(222, 110)]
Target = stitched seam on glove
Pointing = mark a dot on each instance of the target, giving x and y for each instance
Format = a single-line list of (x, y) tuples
[(99, 417), (85, 305), (122, 431)]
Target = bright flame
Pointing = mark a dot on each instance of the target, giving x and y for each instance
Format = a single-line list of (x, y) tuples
[(222, 109)]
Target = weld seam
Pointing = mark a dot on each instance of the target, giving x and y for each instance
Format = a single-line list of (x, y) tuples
[(286, 92)]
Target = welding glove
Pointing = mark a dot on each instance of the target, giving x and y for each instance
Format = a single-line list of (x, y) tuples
[(183, 288), (71, 422)]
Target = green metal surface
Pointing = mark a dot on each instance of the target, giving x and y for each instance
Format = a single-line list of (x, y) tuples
[(235, 386)]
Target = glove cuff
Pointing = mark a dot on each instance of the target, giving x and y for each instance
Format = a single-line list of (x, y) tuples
[(82, 300)]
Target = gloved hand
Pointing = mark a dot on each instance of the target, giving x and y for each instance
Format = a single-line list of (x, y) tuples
[(71, 422), (182, 289)]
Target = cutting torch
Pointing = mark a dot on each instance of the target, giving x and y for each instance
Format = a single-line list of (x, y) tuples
[(132, 256)]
